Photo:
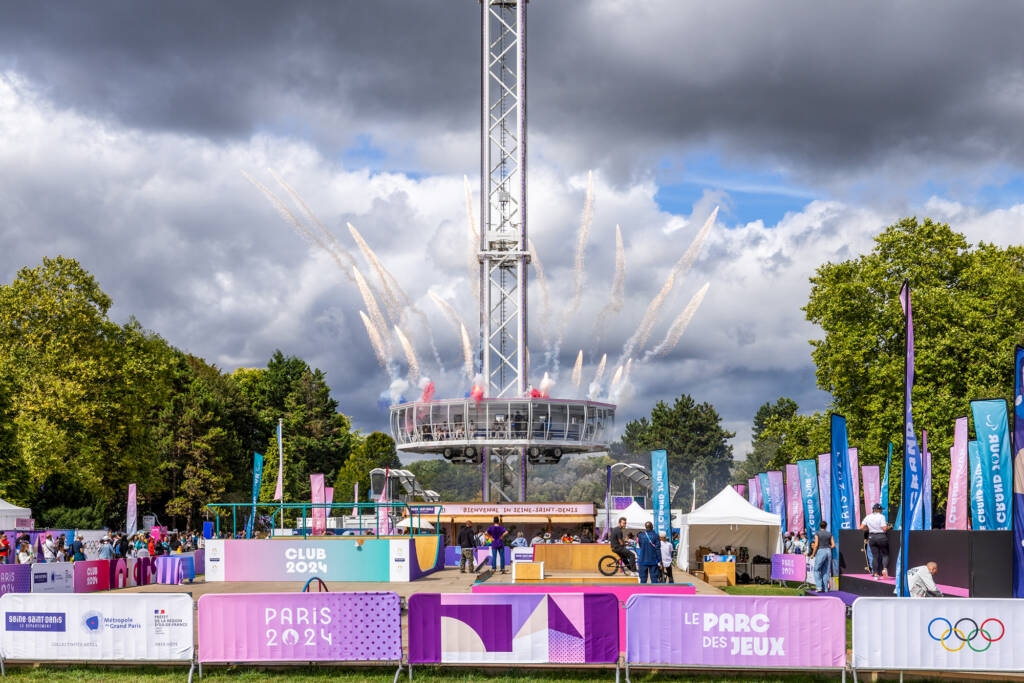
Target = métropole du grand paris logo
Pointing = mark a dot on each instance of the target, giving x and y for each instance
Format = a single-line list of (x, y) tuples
[(966, 632), (92, 622)]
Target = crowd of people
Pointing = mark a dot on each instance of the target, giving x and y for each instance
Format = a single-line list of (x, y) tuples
[(56, 548), (648, 553)]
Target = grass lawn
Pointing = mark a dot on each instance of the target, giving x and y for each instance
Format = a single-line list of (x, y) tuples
[(243, 674), (761, 589)]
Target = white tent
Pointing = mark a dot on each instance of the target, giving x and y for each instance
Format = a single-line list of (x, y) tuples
[(10, 513), (728, 519), (415, 522)]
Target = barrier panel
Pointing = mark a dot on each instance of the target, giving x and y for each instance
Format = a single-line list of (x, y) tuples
[(622, 592), (735, 632), (53, 577), (283, 627), (173, 569), (91, 575), (570, 628), (938, 634), (15, 578), (789, 567), (109, 627)]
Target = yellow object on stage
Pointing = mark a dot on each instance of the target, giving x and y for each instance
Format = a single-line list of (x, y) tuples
[(527, 571), (570, 557), (726, 569)]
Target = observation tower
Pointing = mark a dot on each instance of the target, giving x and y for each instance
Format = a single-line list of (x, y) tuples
[(503, 429)]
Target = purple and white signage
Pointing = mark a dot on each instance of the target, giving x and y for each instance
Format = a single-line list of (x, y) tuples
[(736, 631), (789, 567), (569, 628), (15, 578), (285, 627)]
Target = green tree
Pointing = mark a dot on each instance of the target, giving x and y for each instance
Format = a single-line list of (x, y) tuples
[(453, 482), (967, 317), (765, 447), (694, 439), (375, 450)]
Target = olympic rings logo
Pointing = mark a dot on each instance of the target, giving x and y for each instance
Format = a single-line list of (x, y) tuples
[(955, 634)]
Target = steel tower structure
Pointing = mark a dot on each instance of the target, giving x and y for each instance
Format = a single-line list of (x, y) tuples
[(503, 255)]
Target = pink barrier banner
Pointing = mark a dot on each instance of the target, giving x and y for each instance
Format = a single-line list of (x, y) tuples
[(286, 627), (736, 631), (92, 575), (621, 591), (789, 567), (794, 501)]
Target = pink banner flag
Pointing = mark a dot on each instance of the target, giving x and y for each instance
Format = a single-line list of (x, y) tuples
[(794, 501), (741, 489), (319, 522), (751, 494), (279, 488), (758, 495), (956, 505), (872, 486), (328, 498), (384, 527), (825, 487), (132, 521), (855, 476)]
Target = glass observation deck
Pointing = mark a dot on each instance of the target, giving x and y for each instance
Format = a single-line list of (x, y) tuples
[(459, 428)]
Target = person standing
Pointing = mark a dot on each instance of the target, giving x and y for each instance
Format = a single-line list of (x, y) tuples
[(467, 545), (24, 554), (78, 549), (648, 547), (5, 549), (876, 526), (822, 553), (617, 540), (666, 558), (49, 550), (497, 533), (106, 550)]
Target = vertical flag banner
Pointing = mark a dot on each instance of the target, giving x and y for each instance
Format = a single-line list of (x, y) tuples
[(607, 502), (778, 490), (758, 495), (926, 477), (751, 493), (825, 487), (794, 501), (855, 478), (766, 492), (956, 501), (384, 527), (741, 489), (132, 521), (911, 498), (979, 510), (872, 486), (1018, 472), (659, 479), (316, 487), (809, 492), (992, 427), (279, 489), (257, 479), (885, 484), (842, 486)]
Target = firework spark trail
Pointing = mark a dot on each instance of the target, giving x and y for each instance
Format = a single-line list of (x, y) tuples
[(595, 384), (615, 380), (473, 236), (410, 356), (376, 342), (679, 325), (545, 292), (376, 317), (682, 266), (338, 248), (467, 352), (453, 316), (618, 295), (577, 370), (586, 219)]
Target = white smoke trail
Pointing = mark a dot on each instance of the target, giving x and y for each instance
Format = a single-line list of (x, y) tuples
[(473, 236), (410, 356), (453, 316), (376, 317), (618, 294), (325, 234), (467, 352), (679, 325), (615, 380), (375, 341), (586, 219), (577, 370), (682, 266), (595, 385), (545, 292)]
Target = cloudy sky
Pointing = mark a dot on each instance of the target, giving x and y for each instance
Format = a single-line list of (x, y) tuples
[(125, 128)]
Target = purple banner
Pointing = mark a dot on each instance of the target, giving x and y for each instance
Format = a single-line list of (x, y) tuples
[(568, 628), (92, 575), (778, 496), (736, 631), (16, 578), (855, 478), (758, 494), (741, 489), (794, 501), (825, 487), (1018, 472), (789, 567), (285, 627), (956, 503), (751, 493), (872, 486)]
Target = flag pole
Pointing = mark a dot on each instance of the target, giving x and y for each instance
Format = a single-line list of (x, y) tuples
[(905, 498)]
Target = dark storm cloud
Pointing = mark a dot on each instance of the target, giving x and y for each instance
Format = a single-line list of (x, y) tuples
[(813, 86)]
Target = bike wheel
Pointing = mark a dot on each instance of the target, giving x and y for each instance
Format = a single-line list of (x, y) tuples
[(608, 565)]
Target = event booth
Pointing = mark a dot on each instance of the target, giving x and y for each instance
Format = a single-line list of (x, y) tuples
[(728, 520), (13, 516)]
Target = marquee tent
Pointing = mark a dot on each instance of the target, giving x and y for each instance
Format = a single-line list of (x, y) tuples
[(10, 513), (728, 519)]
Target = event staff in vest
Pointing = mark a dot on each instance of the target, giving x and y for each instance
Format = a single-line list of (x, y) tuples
[(876, 526)]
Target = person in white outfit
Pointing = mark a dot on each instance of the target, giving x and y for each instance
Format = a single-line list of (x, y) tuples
[(49, 550), (878, 543), (666, 558), (921, 583)]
